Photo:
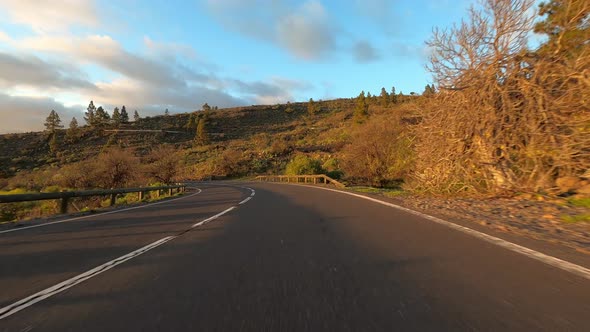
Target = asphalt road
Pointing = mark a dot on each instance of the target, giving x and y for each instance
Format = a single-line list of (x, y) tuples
[(290, 258)]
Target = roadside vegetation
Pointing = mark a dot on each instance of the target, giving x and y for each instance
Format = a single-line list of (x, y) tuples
[(501, 119)]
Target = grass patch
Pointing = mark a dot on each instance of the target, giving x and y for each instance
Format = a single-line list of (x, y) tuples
[(367, 190), (387, 192), (579, 202), (572, 219)]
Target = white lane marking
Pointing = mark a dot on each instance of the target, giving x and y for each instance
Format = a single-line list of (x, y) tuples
[(99, 214), (62, 286), (246, 200), (213, 217), (547, 259)]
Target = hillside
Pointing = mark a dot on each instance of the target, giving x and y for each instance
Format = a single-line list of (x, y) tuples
[(266, 137)]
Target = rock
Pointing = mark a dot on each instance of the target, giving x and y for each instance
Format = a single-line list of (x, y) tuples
[(568, 183), (586, 174)]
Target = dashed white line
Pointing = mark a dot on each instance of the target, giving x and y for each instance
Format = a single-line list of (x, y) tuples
[(246, 200), (99, 214), (213, 217), (62, 286)]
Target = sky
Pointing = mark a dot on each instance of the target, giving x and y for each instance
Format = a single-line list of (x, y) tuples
[(178, 55)]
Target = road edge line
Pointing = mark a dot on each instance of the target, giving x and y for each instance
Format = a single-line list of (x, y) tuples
[(536, 255)]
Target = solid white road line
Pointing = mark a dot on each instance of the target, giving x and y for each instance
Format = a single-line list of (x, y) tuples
[(62, 286), (99, 214), (547, 259)]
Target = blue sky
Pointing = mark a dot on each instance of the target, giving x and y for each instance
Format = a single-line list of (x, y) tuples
[(153, 55)]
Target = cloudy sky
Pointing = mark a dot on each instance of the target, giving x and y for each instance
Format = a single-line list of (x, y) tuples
[(153, 55)]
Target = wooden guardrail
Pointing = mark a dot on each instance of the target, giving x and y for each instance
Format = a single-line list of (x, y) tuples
[(66, 195), (315, 179)]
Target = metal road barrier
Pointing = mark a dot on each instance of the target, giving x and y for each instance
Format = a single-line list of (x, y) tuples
[(315, 179), (66, 195)]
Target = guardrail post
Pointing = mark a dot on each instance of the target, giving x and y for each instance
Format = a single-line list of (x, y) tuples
[(169, 191), (140, 195), (64, 205), (113, 199)]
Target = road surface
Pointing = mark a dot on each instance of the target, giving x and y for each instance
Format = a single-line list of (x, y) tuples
[(287, 258)]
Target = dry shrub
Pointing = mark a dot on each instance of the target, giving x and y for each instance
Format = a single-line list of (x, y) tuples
[(380, 153), (113, 168), (116, 168), (280, 146), (231, 162), (162, 164), (260, 141), (505, 119)]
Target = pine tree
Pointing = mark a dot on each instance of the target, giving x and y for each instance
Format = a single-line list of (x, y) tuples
[(54, 143), (393, 96), (311, 107), (116, 118), (191, 124), (136, 116), (567, 24), (89, 115), (166, 112), (361, 110), (429, 90), (73, 131), (124, 115), (384, 97), (53, 122), (206, 107), (101, 116), (202, 137), (289, 108)]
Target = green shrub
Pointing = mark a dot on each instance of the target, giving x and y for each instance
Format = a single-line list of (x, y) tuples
[(302, 164), (580, 202), (336, 175)]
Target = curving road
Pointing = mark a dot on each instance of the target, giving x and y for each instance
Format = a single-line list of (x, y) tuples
[(279, 258)]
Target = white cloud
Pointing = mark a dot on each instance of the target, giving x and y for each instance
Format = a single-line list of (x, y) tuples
[(51, 15), (153, 100), (22, 114), (420, 52), (305, 31), (380, 13), (365, 52), (275, 90), (4, 37), (31, 71), (169, 49), (52, 67)]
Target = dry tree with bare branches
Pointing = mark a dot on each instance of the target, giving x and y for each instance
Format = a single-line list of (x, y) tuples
[(506, 118)]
